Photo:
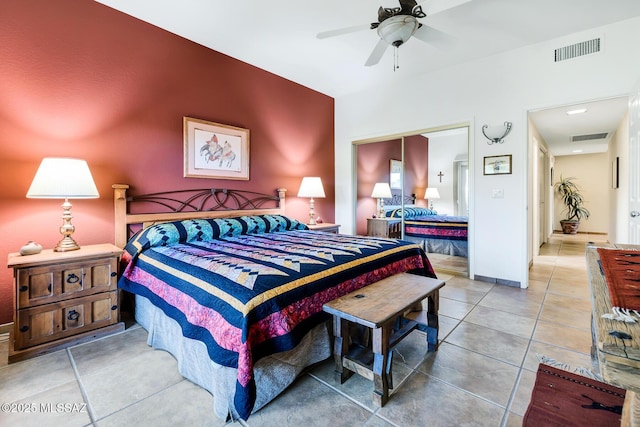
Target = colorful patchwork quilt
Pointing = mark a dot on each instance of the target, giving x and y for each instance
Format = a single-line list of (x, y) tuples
[(252, 286)]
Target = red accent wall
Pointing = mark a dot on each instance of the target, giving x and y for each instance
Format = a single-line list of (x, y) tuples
[(79, 79), (373, 164)]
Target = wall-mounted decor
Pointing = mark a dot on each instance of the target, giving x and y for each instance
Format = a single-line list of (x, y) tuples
[(497, 165), (213, 150), (615, 173), (395, 174)]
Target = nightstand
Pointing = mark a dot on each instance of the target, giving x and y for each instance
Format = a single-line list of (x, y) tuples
[(384, 227), (325, 226), (63, 298)]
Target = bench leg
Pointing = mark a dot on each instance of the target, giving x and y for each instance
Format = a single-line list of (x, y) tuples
[(340, 348), (381, 364), (432, 321)]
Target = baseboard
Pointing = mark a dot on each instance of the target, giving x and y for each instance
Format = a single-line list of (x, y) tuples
[(5, 328), (497, 281)]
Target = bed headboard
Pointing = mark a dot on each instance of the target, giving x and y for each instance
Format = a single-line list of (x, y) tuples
[(398, 199), (185, 204)]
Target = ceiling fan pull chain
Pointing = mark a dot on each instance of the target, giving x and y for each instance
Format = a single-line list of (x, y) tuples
[(395, 59)]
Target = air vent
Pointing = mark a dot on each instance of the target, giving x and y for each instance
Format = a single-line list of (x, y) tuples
[(578, 49), (579, 138)]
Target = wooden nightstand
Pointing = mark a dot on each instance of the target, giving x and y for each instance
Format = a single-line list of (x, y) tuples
[(384, 227), (63, 298), (325, 226)]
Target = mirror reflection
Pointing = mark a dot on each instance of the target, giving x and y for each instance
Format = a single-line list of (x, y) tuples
[(416, 187)]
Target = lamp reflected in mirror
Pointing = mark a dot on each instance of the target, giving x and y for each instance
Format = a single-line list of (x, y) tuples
[(381, 190), (431, 194)]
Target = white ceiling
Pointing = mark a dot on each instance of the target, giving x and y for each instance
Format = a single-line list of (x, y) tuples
[(280, 36)]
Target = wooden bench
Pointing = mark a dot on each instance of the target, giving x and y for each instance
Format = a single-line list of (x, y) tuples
[(380, 307)]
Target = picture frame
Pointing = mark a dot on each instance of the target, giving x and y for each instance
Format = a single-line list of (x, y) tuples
[(395, 174), (497, 165), (615, 173), (213, 150)]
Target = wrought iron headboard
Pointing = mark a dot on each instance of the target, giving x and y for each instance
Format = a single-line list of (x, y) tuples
[(186, 204)]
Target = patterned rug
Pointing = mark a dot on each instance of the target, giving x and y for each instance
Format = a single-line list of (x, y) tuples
[(621, 269), (562, 398)]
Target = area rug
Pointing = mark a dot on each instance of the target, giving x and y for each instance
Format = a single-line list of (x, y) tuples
[(621, 269), (561, 398)]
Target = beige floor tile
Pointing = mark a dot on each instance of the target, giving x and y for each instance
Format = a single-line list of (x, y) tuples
[(461, 292), (568, 302), (446, 324), (502, 321), (571, 358), (453, 308), (183, 403), (565, 315), (482, 375), (115, 386), (428, 401), (310, 403), (523, 302), (62, 405), (563, 336), (490, 342), (29, 377), (522, 396)]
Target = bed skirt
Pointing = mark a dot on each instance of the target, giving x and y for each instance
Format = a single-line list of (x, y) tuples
[(442, 246), (272, 374)]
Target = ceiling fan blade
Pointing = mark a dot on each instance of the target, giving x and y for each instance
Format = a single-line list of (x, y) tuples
[(341, 31), (434, 37), (377, 53)]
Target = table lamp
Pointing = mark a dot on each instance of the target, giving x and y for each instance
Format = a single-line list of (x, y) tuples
[(381, 190), (311, 187), (431, 194), (63, 178)]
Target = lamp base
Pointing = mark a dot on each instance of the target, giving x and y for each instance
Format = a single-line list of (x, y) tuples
[(66, 244)]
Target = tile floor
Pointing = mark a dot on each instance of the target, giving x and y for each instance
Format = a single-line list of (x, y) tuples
[(482, 374)]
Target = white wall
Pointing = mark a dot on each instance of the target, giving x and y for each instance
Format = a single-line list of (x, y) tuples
[(443, 150), (487, 91), (619, 200)]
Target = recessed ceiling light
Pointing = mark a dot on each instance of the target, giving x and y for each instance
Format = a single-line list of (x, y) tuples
[(577, 151), (578, 111)]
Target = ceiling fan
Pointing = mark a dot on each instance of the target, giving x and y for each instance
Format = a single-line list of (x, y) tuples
[(395, 26)]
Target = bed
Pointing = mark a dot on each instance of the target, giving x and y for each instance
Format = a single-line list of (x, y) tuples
[(236, 294), (442, 234)]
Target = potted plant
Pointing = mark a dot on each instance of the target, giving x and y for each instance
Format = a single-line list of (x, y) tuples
[(569, 193)]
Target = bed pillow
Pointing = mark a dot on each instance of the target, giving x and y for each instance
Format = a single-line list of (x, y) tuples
[(193, 230), (409, 212)]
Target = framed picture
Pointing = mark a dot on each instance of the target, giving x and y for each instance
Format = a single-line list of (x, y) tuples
[(497, 165), (615, 173), (395, 174), (213, 150)]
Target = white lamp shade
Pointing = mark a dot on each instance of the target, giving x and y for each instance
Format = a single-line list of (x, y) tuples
[(432, 193), (61, 178), (311, 186), (381, 191)]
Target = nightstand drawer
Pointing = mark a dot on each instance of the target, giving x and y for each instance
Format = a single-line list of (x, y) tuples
[(50, 322), (47, 284)]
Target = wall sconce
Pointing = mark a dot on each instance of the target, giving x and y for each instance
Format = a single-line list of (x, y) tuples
[(59, 178), (431, 194), (381, 191), (311, 187), (496, 134)]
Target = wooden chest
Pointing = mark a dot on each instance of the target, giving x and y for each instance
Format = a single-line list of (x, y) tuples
[(63, 298)]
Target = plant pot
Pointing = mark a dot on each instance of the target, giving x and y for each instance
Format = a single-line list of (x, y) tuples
[(570, 227)]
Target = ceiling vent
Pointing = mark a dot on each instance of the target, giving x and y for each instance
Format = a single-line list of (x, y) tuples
[(579, 138), (578, 49)]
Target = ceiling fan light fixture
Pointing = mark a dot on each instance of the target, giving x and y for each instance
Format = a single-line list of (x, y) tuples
[(398, 29)]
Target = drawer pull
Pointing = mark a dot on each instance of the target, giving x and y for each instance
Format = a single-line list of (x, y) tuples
[(24, 288), (24, 328), (73, 315), (114, 274), (73, 278), (114, 307)]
